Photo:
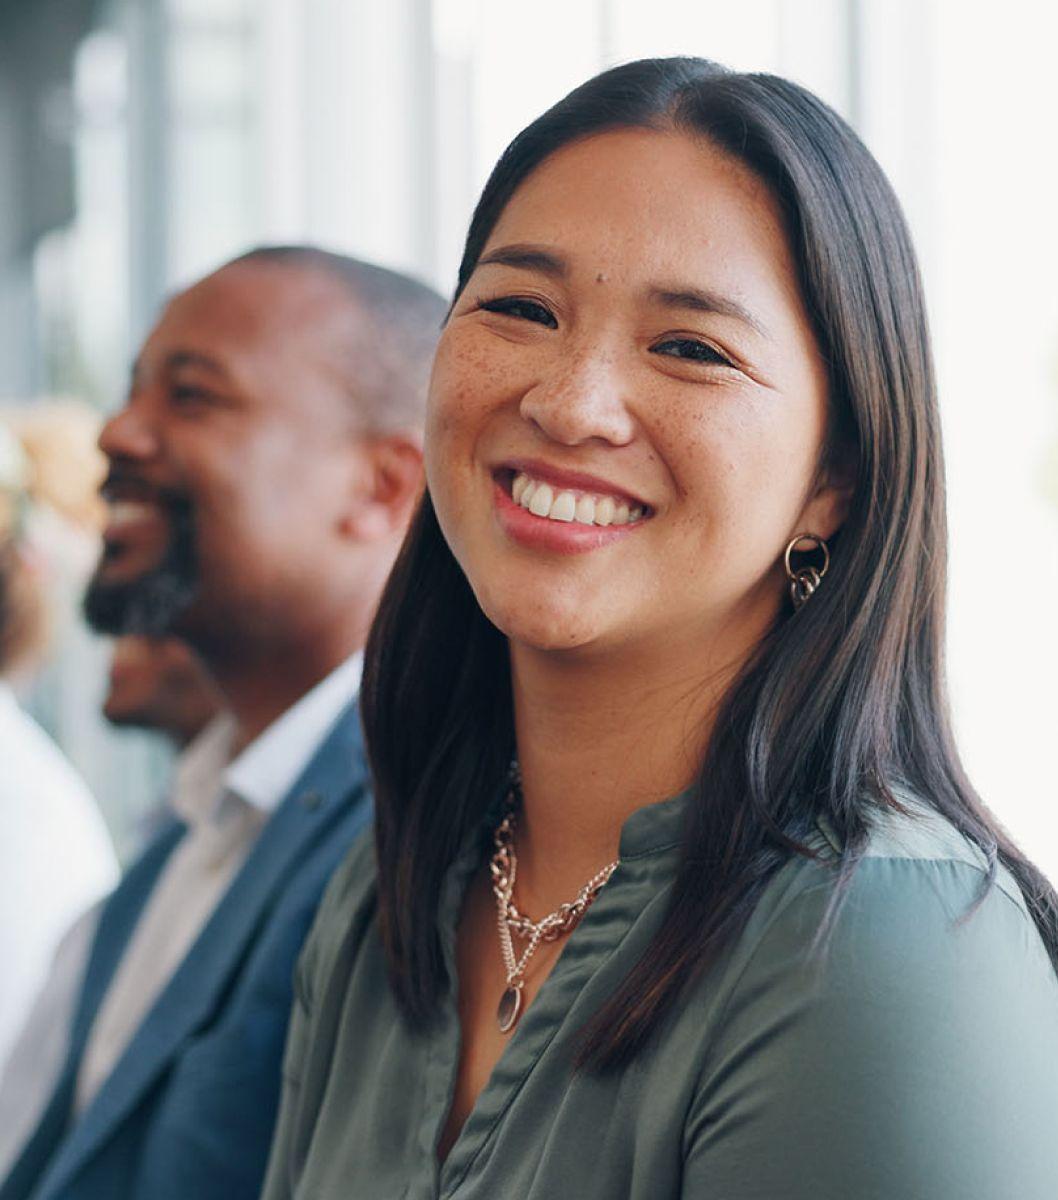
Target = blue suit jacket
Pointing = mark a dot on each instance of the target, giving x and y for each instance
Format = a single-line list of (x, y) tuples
[(187, 1113)]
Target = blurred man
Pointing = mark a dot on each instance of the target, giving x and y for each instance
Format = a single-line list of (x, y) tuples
[(261, 476)]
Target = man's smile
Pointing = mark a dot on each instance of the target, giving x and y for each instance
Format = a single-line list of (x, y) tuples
[(139, 526)]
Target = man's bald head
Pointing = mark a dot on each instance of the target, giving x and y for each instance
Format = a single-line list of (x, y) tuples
[(382, 331)]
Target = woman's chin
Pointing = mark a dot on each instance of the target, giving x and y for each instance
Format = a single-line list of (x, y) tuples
[(543, 625)]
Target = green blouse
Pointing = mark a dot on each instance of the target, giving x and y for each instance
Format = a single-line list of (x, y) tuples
[(918, 1062)]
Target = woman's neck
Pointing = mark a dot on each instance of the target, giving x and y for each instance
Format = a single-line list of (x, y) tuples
[(599, 737)]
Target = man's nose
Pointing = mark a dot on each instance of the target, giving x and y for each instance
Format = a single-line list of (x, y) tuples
[(584, 398), (129, 434)]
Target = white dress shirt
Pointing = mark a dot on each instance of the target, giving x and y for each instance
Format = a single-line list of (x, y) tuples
[(225, 807), (56, 859)]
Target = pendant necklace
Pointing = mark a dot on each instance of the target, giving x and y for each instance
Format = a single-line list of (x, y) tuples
[(503, 867)]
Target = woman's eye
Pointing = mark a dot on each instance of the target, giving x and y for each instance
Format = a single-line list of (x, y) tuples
[(691, 349), (522, 308)]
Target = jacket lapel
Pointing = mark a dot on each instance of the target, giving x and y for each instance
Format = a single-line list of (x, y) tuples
[(117, 921), (336, 775)]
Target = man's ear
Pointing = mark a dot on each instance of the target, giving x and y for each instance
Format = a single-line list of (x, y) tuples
[(389, 480)]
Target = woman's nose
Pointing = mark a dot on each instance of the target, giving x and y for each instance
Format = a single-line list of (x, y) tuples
[(583, 399)]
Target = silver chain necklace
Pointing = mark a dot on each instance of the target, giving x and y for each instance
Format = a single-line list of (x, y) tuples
[(503, 867)]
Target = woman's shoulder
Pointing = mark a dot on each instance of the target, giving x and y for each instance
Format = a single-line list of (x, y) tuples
[(345, 912), (914, 1047), (915, 843), (354, 885), (920, 931), (356, 879)]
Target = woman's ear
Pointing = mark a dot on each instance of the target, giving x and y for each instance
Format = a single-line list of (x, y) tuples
[(389, 479), (828, 506)]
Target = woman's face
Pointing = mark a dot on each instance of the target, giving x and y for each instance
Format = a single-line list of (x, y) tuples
[(628, 407)]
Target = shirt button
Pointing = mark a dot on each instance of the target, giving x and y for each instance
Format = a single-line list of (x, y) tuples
[(311, 801)]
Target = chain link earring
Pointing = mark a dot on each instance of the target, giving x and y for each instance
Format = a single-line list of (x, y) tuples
[(805, 580)]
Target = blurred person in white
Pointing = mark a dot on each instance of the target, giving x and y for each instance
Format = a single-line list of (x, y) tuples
[(155, 684), (262, 473), (56, 858), (64, 523), (65, 514)]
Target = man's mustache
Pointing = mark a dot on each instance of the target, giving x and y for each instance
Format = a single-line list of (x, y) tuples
[(121, 483), (153, 603)]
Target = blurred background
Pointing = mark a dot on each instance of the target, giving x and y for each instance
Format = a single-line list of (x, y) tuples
[(144, 141)]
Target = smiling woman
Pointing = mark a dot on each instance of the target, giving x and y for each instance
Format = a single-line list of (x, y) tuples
[(734, 924), (674, 410)]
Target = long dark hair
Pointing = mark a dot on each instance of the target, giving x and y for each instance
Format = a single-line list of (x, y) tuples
[(837, 706)]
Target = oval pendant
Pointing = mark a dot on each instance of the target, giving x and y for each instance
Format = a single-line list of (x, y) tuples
[(509, 1009)]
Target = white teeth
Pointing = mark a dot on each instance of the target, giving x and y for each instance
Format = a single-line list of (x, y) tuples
[(540, 504), (564, 507), (542, 500), (585, 510), (130, 511)]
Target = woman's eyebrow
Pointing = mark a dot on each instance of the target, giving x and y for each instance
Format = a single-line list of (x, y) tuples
[(539, 258), (700, 300), (528, 257)]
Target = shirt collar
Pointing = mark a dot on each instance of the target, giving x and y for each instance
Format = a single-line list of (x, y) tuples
[(652, 829), (198, 780), (270, 765), (656, 827)]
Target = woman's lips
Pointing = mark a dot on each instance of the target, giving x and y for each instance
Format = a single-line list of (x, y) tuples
[(565, 504), (550, 535), (561, 479)]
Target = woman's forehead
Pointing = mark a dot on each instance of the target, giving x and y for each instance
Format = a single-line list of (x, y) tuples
[(650, 209)]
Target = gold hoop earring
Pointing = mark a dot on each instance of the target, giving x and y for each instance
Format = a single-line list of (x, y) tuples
[(805, 580)]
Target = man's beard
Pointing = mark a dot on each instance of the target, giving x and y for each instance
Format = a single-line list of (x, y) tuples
[(152, 604)]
